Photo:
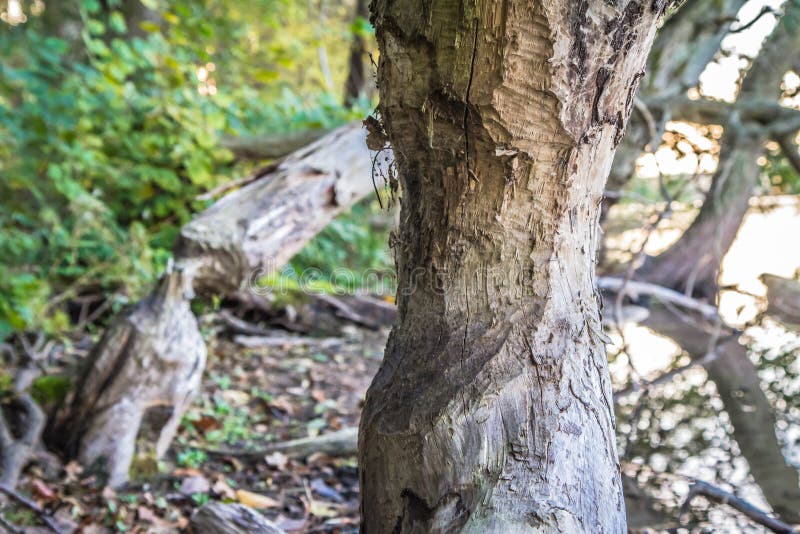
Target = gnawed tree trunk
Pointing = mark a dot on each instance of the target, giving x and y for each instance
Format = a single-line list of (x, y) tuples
[(693, 261), (152, 357), (492, 410)]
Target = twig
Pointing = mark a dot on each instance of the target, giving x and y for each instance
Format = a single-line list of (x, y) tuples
[(35, 508), (666, 377), (764, 11), (343, 442), (719, 495)]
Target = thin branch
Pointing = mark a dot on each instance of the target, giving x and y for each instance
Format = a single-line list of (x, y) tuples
[(719, 495), (46, 518), (666, 377), (764, 11)]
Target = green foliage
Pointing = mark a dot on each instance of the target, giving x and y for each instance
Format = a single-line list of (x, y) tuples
[(193, 458), (110, 135), (351, 254), (50, 389)]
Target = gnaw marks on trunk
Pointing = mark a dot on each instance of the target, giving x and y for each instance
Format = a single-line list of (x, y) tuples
[(151, 356), (492, 410)]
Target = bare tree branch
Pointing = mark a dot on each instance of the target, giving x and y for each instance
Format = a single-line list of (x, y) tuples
[(719, 495)]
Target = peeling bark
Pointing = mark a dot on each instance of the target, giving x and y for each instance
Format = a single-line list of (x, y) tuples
[(492, 410)]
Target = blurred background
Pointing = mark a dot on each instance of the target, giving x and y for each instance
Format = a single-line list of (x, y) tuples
[(122, 121)]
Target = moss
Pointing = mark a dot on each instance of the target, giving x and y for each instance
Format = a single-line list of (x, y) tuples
[(50, 389)]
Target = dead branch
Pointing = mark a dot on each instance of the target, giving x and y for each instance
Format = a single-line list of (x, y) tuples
[(240, 326), (343, 442), (46, 518), (633, 289), (254, 342), (719, 495)]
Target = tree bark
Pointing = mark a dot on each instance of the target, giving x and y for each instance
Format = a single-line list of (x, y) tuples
[(492, 410), (357, 81), (693, 261)]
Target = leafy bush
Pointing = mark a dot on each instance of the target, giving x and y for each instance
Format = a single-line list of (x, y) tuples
[(110, 137)]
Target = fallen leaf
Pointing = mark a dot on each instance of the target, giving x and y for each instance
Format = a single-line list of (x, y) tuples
[(195, 484), (277, 460), (322, 509), (255, 500), (42, 490), (222, 489)]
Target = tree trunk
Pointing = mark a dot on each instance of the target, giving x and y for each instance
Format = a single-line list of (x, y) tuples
[(492, 410), (357, 81), (693, 262), (152, 357)]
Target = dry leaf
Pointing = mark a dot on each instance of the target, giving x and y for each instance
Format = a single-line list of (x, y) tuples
[(254, 500)]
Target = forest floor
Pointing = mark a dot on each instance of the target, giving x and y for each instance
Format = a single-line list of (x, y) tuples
[(250, 397)]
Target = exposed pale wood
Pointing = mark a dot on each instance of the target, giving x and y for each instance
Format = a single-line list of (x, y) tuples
[(219, 518), (256, 229), (152, 356)]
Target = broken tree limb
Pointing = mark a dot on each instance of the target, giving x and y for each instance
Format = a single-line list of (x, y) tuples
[(255, 230), (49, 522), (219, 518)]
